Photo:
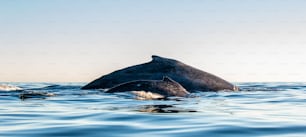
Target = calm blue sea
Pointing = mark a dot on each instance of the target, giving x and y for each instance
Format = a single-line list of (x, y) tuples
[(261, 109)]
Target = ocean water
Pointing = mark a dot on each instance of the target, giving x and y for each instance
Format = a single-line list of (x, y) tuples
[(62, 109)]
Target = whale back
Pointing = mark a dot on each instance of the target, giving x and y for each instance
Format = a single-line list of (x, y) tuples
[(189, 77)]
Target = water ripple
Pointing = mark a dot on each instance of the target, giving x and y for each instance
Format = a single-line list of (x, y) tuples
[(260, 109)]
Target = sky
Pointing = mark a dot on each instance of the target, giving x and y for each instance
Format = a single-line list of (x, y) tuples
[(81, 40)]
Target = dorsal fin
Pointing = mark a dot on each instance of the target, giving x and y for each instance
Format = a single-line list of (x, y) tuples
[(168, 79), (156, 58)]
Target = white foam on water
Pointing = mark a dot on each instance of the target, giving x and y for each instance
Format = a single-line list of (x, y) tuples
[(143, 95), (5, 87)]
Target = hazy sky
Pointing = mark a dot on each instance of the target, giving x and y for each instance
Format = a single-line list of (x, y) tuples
[(80, 40)]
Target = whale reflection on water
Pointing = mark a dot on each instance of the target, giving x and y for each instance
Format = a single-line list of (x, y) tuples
[(163, 109)]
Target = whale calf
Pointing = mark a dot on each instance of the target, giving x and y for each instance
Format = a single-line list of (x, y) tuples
[(152, 89), (190, 78)]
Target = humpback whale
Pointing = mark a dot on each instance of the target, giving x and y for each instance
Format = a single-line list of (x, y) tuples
[(192, 79), (151, 89)]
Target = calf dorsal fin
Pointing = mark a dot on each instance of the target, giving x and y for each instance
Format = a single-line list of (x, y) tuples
[(168, 79)]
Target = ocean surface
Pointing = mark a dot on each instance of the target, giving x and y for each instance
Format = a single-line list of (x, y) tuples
[(62, 109)]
